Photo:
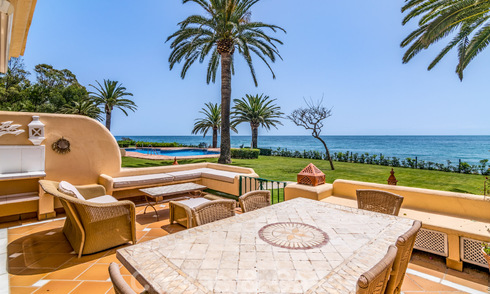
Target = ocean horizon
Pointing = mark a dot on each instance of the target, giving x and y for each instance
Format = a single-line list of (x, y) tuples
[(438, 148)]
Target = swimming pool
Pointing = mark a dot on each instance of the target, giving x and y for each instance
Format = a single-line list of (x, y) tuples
[(174, 152)]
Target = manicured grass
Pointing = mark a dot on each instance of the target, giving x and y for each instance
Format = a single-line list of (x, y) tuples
[(285, 169)]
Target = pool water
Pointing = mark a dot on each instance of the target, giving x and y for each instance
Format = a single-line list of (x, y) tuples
[(177, 152)]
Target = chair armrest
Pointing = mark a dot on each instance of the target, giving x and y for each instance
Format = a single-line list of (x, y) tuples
[(91, 191), (108, 182)]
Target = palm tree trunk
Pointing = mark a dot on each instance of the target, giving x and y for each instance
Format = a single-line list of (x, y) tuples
[(326, 151), (108, 116), (225, 148), (215, 137), (255, 134)]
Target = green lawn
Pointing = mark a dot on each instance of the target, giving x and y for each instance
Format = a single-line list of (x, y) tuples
[(285, 169)]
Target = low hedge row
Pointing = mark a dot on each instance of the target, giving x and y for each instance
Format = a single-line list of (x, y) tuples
[(245, 153)]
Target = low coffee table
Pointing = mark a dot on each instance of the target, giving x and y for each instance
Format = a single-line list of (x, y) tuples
[(170, 190)]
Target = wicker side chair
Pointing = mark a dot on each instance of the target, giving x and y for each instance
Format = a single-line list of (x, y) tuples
[(379, 201), (405, 247), (254, 200), (92, 226), (374, 280), (213, 210), (118, 282)]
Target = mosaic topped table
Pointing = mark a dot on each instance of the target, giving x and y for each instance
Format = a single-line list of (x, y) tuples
[(297, 246)]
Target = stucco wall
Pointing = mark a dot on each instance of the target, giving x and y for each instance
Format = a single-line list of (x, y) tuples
[(94, 150)]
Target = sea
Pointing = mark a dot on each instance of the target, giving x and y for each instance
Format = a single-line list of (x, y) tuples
[(440, 149)]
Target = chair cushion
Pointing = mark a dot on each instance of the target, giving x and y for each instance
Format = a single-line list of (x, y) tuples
[(220, 175), (103, 199), (67, 188), (185, 175), (194, 202), (142, 180)]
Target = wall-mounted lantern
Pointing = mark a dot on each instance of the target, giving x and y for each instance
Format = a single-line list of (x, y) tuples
[(36, 131)]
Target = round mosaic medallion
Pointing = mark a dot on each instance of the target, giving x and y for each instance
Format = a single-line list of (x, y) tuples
[(293, 235)]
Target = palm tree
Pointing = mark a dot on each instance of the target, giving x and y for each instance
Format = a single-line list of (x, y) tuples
[(467, 20), (225, 27), (211, 120), (110, 95), (258, 111), (83, 106)]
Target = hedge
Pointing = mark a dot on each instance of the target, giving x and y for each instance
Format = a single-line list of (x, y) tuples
[(245, 153)]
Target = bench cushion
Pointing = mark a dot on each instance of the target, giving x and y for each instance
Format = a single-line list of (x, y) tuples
[(142, 180), (185, 175), (219, 175), (194, 202), (103, 199)]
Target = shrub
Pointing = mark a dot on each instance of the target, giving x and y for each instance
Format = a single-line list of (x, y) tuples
[(265, 151), (245, 153)]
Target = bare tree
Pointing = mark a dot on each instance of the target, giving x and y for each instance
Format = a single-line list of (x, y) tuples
[(311, 118)]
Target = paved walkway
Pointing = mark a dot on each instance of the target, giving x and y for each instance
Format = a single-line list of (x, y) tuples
[(40, 260)]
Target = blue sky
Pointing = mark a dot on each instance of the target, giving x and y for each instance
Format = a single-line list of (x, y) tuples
[(346, 51)]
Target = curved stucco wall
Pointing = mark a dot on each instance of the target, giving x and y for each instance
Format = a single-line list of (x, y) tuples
[(94, 150)]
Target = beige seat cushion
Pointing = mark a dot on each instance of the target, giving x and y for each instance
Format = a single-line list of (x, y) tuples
[(69, 189), (185, 175), (142, 180), (103, 199), (194, 202), (220, 175)]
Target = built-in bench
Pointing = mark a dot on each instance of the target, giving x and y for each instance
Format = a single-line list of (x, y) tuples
[(453, 224), (218, 177)]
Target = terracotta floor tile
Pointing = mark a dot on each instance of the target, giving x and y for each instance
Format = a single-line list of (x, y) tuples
[(481, 285), (157, 232), (426, 270), (23, 290), (108, 259), (92, 288), (90, 258), (68, 271), (134, 284), (52, 261), (97, 272), (429, 285), (58, 287), (24, 280), (410, 285)]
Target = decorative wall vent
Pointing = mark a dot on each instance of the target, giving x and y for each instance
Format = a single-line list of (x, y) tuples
[(471, 251), (311, 175), (62, 146), (7, 127), (432, 241), (36, 131)]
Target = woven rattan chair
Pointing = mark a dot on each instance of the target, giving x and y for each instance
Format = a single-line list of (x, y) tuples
[(118, 282), (213, 210), (379, 201), (90, 226), (405, 247), (254, 200), (374, 280)]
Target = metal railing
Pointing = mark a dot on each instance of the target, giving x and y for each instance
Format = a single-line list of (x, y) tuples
[(276, 188)]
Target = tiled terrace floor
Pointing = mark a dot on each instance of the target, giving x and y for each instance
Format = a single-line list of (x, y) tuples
[(40, 260)]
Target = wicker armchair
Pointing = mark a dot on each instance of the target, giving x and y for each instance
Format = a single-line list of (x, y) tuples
[(254, 200), (379, 201), (93, 226), (213, 210), (405, 247), (118, 282), (374, 280)]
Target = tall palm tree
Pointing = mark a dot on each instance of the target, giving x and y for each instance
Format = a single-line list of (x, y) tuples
[(211, 120), (467, 20), (111, 95), (83, 106), (258, 111), (226, 26)]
